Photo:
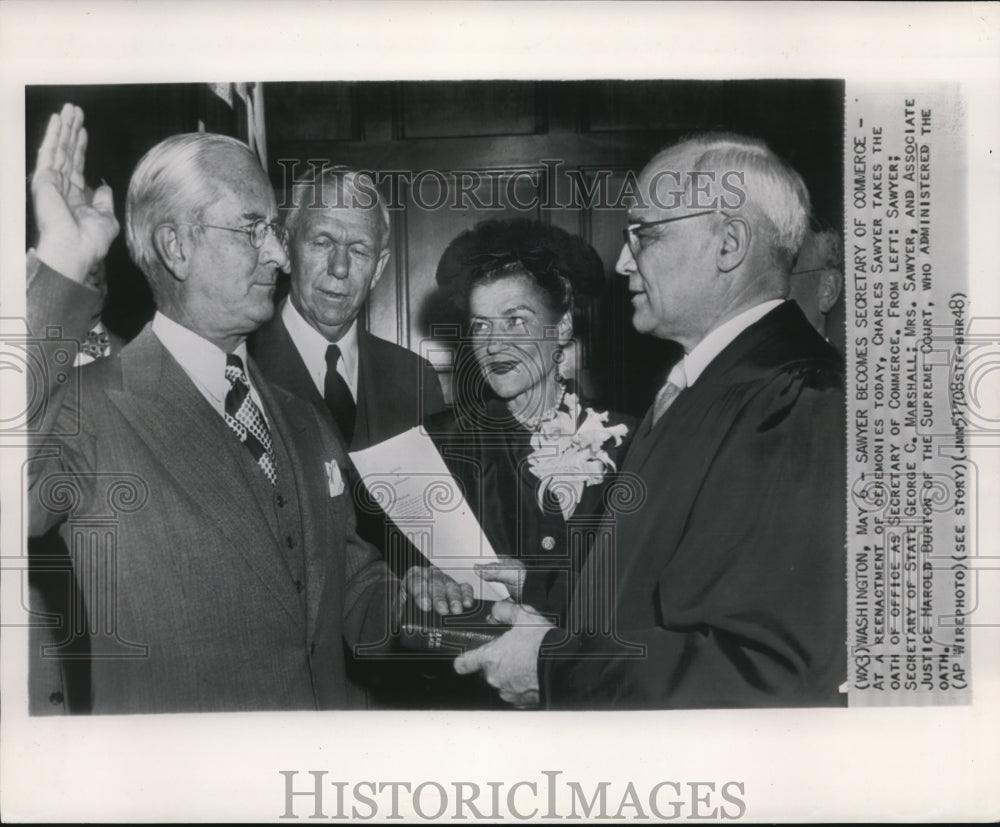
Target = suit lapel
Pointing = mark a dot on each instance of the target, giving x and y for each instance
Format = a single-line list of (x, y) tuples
[(197, 449), (280, 362), (368, 402)]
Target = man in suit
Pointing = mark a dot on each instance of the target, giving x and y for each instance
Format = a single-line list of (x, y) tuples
[(205, 509), (727, 583), (370, 389), (314, 347)]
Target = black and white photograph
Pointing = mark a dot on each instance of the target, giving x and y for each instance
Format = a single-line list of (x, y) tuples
[(494, 414), (279, 599)]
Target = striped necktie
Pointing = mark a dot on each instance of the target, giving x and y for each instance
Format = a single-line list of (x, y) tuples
[(676, 382), (246, 419)]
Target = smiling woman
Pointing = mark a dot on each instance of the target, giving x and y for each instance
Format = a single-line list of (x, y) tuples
[(535, 460), (518, 336)]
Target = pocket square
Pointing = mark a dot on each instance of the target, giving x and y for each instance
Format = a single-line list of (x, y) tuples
[(334, 478)]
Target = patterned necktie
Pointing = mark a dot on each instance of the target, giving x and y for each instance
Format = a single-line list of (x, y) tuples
[(96, 344), (246, 420), (338, 396), (676, 382)]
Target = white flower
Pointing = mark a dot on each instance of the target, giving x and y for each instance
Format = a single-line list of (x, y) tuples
[(567, 457)]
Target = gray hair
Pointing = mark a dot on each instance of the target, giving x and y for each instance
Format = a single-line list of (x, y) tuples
[(827, 247), (171, 182), (337, 187), (774, 190)]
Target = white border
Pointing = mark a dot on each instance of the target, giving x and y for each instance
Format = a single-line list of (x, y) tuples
[(920, 764)]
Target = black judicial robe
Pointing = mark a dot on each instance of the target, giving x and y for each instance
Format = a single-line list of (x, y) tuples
[(728, 583)]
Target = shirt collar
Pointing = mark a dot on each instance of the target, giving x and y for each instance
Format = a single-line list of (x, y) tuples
[(312, 345), (200, 359), (694, 363)]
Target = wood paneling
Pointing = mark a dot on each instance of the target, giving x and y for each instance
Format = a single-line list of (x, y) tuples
[(650, 105), (429, 228), (467, 108), (313, 112)]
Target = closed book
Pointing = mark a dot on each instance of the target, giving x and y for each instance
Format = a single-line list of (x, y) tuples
[(427, 631)]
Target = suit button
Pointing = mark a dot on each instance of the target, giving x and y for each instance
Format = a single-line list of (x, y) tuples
[(290, 541), (56, 699), (280, 501), (548, 543), (312, 648), (298, 586)]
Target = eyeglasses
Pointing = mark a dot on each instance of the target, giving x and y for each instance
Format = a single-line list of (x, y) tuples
[(629, 231), (256, 232)]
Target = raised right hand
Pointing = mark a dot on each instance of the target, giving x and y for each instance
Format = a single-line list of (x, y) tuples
[(75, 231)]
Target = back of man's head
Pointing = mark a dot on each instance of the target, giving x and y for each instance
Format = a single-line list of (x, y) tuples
[(175, 181)]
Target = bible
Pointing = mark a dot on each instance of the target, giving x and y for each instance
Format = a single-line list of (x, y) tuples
[(427, 631)]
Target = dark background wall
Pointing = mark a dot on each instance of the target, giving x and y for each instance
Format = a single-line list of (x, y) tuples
[(500, 129)]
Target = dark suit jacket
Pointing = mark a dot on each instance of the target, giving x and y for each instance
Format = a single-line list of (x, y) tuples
[(228, 594), (396, 387), (487, 450), (396, 390), (728, 583)]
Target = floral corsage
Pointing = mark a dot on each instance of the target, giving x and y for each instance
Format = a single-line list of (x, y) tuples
[(568, 454)]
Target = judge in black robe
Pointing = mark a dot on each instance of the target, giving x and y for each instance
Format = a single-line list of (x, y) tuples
[(725, 587)]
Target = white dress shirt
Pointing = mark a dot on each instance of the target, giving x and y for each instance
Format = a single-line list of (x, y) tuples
[(312, 345), (203, 362), (694, 363)]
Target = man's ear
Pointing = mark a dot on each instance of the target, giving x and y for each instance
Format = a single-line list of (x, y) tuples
[(831, 282), (736, 238), (173, 250), (383, 259)]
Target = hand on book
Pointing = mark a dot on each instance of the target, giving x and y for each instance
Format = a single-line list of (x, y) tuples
[(510, 663), (429, 587), (509, 571)]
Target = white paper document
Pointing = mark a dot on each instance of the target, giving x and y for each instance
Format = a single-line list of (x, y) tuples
[(407, 477)]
